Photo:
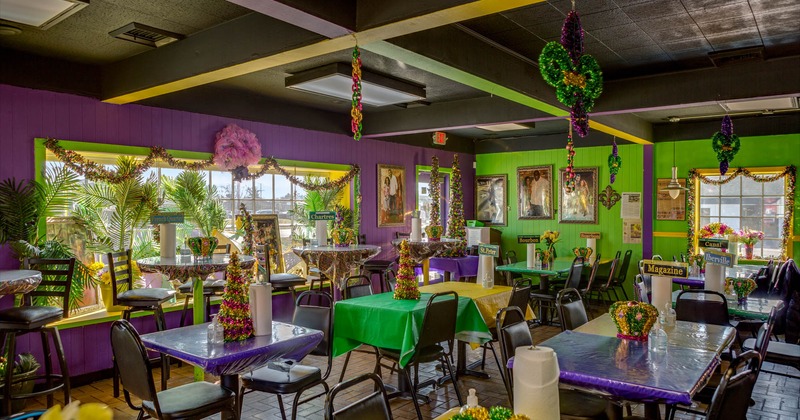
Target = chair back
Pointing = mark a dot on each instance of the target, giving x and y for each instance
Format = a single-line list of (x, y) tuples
[(317, 317), (402, 235), (357, 286), (223, 249), (375, 406), (131, 356), (121, 269), (683, 257), (611, 271), (362, 239), (511, 257), (390, 278), (622, 273), (56, 279), (574, 277), (520, 295), (571, 310), (732, 397), (592, 276), (764, 333), (640, 288), (702, 306), (439, 322), (657, 257), (510, 337)]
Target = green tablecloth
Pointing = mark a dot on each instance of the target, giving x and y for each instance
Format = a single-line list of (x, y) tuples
[(381, 321), (561, 265)]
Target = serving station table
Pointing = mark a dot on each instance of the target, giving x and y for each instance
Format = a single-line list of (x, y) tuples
[(422, 251), (456, 268)]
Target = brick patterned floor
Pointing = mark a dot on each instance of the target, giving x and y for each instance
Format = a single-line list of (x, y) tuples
[(776, 396)]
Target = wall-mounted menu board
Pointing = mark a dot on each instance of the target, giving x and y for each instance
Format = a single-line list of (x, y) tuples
[(666, 207)]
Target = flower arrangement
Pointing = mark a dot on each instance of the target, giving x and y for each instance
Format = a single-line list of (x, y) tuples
[(740, 286), (699, 259), (77, 411), (494, 413), (716, 229), (341, 234), (95, 271), (550, 237), (750, 237), (105, 277), (236, 149), (633, 319)]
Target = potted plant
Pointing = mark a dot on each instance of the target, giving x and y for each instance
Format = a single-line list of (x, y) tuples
[(316, 199), (201, 207), (24, 367), (749, 238)]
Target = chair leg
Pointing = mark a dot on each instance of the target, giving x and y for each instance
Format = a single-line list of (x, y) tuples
[(497, 360), (624, 293), (453, 379), (280, 404), (62, 360), (483, 358), (414, 393), (185, 310), (161, 325), (11, 347), (344, 368), (48, 366)]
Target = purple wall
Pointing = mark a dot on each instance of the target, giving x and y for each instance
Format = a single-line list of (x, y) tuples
[(26, 114)]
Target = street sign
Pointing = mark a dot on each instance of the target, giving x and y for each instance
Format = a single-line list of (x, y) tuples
[(590, 235), (491, 250), (714, 243), (665, 268), (528, 239), (322, 215), (720, 258), (164, 218)]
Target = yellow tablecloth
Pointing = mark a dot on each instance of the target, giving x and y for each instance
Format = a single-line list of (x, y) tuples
[(488, 301)]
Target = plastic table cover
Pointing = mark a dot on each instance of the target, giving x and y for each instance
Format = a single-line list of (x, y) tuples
[(560, 265), (627, 370), (753, 308), (488, 301), (191, 345), (709, 337), (383, 321), (693, 282), (337, 262), (19, 281), (424, 249), (459, 267), (184, 267)]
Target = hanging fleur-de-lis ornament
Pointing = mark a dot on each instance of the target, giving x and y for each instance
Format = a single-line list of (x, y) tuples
[(576, 77), (726, 144)]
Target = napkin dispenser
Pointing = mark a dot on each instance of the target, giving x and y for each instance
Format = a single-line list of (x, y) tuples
[(536, 383), (261, 308)]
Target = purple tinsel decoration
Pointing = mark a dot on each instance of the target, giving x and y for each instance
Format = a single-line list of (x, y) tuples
[(727, 127), (723, 167), (615, 153), (572, 36), (579, 118)]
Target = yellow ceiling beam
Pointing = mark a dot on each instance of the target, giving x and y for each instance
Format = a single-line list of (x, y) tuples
[(404, 27)]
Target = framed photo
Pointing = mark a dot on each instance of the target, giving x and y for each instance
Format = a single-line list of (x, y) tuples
[(266, 231), (666, 207), (391, 195), (579, 206), (535, 192), (490, 199)]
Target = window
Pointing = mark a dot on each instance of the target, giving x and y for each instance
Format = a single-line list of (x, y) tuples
[(745, 203)]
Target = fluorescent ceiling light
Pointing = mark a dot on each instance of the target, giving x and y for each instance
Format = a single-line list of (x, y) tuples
[(503, 127), (761, 104), (335, 80), (39, 13)]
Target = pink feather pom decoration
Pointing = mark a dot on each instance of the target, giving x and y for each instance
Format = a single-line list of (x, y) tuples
[(236, 147)]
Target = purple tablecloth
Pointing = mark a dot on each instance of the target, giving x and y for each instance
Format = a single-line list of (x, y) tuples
[(190, 344), (459, 267), (693, 282), (627, 370)]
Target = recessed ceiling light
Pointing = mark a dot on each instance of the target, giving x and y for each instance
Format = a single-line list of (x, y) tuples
[(40, 13), (786, 102), (503, 127), (336, 80)]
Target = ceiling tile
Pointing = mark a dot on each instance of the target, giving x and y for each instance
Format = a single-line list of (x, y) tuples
[(675, 34), (491, 24), (606, 19), (546, 30), (734, 24), (764, 6), (584, 6), (665, 22), (535, 14), (778, 23), (653, 9), (744, 35), (709, 4), (686, 45), (515, 37), (725, 10)]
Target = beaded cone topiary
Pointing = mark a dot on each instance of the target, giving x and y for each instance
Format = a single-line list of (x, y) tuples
[(407, 286)]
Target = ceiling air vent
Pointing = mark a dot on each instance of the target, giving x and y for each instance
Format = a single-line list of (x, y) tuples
[(145, 35), (739, 55)]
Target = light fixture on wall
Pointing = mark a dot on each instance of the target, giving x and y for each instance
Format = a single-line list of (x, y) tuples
[(674, 187)]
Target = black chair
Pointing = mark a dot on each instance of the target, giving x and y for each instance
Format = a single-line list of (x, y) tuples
[(300, 377), (511, 258), (282, 282), (438, 325), (315, 272), (390, 280), (520, 295), (191, 401), (135, 300), (573, 404), (711, 308), (56, 274), (571, 310), (622, 275), (544, 298), (591, 284), (781, 353), (374, 406), (640, 290), (360, 288), (603, 289), (211, 287), (402, 235), (379, 267)]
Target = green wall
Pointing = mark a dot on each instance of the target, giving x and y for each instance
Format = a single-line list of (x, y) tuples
[(609, 223), (762, 151)]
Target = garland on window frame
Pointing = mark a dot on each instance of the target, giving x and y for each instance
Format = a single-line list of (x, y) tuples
[(357, 107), (790, 174)]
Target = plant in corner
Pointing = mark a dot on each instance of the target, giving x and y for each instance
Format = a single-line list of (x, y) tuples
[(201, 206), (316, 200), (24, 368)]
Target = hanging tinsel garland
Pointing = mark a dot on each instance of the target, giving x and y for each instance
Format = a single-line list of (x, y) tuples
[(725, 144), (614, 161), (790, 174), (355, 111), (577, 77), (569, 172), (97, 172)]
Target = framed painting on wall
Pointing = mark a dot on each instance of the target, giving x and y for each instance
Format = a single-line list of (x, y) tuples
[(490, 199), (580, 205), (666, 207), (266, 231), (391, 191), (535, 192)]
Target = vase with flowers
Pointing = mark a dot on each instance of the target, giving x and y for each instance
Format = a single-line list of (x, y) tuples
[(550, 238), (749, 238), (741, 287), (102, 279), (342, 235)]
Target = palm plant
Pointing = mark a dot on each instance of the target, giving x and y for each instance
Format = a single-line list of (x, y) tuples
[(315, 200), (201, 205), (113, 213), (24, 209)]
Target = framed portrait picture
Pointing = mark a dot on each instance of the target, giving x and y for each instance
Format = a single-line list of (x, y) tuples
[(266, 231), (490, 199), (580, 205), (666, 207), (391, 192), (535, 192)]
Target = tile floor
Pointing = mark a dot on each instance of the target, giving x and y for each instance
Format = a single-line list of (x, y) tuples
[(776, 397)]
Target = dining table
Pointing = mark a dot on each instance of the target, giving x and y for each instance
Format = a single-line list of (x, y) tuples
[(752, 308), (456, 268), (559, 267), (229, 360), (13, 282), (337, 262), (423, 250), (187, 267)]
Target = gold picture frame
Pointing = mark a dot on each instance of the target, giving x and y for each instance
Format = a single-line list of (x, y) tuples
[(535, 192), (491, 199), (267, 231), (391, 208), (579, 206)]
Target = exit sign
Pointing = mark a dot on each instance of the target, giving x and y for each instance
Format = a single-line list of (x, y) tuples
[(439, 138)]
